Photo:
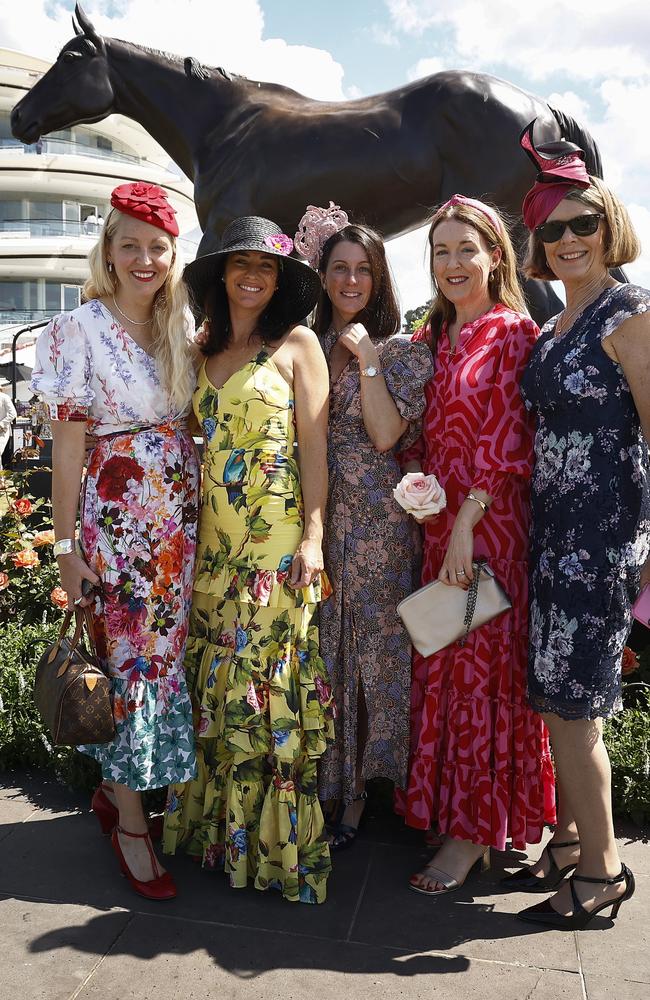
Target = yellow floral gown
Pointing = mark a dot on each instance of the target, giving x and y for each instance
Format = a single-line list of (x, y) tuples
[(263, 709)]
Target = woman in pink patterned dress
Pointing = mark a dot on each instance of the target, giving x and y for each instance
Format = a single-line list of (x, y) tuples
[(480, 764), (121, 366)]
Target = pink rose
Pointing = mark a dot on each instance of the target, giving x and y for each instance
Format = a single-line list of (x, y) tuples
[(420, 495), (262, 585)]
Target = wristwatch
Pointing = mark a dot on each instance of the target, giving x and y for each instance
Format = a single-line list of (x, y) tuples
[(370, 371)]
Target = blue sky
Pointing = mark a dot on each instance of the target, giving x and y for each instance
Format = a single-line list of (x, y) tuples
[(590, 58)]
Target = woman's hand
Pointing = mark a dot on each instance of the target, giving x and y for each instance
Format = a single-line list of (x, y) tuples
[(356, 339), (456, 570), (74, 571), (307, 563)]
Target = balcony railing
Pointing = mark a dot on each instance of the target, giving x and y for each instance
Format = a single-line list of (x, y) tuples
[(56, 147), (61, 227), (19, 317)]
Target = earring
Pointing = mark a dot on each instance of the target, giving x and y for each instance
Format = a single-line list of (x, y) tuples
[(109, 265)]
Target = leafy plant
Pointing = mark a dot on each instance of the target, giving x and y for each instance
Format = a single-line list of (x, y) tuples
[(627, 737)]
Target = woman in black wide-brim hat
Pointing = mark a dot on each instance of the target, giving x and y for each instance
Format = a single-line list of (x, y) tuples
[(262, 704)]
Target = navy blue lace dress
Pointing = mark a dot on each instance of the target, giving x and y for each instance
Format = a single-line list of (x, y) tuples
[(590, 511)]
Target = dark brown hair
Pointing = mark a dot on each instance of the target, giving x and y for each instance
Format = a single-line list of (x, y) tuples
[(270, 326), (381, 317)]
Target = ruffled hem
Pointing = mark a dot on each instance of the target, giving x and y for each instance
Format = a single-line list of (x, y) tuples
[(256, 585), (153, 744), (254, 822)]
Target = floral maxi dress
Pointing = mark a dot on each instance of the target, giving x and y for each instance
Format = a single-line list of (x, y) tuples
[(138, 528), (591, 511), (263, 708)]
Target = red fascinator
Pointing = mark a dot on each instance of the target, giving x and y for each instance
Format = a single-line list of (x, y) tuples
[(561, 168), (148, 203)]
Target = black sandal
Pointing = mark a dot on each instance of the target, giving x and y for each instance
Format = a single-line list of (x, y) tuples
[(343, 834), (523, 881), (543, 913)]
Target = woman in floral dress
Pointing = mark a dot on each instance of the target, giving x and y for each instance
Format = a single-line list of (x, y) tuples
[(121, 367), (263, 708), (377, 397), (588, 385), (481, 769)]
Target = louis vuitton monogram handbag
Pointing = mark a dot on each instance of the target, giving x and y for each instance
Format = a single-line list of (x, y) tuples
[(71, 691)]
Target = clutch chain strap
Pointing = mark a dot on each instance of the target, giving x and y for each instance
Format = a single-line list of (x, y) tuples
[(472, 597)]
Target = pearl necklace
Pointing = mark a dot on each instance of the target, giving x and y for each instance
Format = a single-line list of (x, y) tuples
[(567, 317), (128, 318)]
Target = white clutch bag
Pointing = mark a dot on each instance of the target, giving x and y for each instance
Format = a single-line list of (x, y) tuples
[(437, 615)]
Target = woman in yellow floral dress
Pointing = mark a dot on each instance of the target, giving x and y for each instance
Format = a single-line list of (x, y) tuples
[(263, 707)]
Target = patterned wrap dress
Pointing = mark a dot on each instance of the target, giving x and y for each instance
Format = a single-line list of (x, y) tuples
[(481, 765), (263, 706), (138, 517), (591, 511), (372, 559)]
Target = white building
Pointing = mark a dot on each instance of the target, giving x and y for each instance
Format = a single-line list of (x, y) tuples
[(52, 193)]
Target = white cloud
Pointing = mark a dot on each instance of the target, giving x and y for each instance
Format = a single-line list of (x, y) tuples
[(383, 36), (217, 32), (425, 67), (408, 260)]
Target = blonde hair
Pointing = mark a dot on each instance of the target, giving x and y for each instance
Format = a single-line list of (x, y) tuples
[(620, 244), (171, 324), (503, 286)]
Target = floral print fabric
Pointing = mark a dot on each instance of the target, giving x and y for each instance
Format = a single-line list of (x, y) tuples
[(263, 707), (138, 528), (591, 511), (481, 767), (370, 556)]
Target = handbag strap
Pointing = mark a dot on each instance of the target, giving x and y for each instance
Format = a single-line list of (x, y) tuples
[(472, 597), (82, 617)]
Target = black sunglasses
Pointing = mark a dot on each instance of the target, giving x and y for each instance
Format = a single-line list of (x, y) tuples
[(581, 225)]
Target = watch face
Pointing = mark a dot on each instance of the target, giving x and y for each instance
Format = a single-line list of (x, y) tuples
[(370, 371)]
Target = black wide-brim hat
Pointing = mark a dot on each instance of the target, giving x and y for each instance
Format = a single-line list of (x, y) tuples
[(298, 283)]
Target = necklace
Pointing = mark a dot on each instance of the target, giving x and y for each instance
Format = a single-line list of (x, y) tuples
[(128, 318), (591, 292)]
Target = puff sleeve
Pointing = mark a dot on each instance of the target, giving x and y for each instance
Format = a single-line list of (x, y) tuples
[(63, 369), (407, 366), (505, 443)]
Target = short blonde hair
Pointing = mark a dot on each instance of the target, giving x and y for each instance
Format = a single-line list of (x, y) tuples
[(172, 324), (621, 244), (504, 285)]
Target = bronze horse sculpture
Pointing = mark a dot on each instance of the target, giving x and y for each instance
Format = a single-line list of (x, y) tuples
[(263, 149)]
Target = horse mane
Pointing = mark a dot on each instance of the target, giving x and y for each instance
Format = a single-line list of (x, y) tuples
[(190, 66)]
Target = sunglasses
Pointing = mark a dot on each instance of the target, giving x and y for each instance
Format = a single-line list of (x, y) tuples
[(581, 225)]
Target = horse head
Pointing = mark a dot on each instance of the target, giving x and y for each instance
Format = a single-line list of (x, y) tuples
[(76, 89)]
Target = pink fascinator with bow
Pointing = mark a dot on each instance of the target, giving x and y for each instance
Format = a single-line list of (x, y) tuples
[(315, 228)]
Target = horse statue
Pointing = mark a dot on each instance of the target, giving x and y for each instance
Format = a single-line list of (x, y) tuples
[(262, 149)]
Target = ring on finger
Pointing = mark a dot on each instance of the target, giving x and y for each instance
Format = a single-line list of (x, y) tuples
[(460, 572)]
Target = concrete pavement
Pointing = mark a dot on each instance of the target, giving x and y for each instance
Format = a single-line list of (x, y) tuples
[(71, 928)]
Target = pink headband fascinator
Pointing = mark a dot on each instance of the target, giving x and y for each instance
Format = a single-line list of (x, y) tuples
[(315, 228), (480, 206), (561, 168)]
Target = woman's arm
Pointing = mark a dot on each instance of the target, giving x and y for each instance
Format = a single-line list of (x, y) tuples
[(383, 422), (68, 454), (630, 345), (311, 393)]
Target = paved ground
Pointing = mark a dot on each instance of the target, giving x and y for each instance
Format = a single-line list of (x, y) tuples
[(71, 928)]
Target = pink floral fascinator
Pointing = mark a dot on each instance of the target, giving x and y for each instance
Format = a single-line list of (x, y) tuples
[(315, 228)]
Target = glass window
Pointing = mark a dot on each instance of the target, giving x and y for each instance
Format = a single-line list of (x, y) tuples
[(12, 295), (52, 296), (71, 296)]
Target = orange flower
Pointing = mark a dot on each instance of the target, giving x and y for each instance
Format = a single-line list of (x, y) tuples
[(59, 598), (4, 581), (22, 507), (629, 661), (43, 538), (25, 559)]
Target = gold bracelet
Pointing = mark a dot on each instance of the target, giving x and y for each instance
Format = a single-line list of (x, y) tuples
[(481, 503)]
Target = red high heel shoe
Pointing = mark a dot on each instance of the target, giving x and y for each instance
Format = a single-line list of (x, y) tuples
[(160, 887), (109, 817)]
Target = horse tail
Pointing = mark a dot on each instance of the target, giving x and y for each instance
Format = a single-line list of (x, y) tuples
[(573, 132)]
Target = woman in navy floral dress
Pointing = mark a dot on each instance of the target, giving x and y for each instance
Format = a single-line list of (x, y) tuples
[(588, 384)]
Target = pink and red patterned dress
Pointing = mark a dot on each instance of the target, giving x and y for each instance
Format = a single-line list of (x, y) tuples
[(138, 533), (480, 761)]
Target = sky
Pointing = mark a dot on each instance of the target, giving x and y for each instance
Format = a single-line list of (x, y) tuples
[(590, 58)]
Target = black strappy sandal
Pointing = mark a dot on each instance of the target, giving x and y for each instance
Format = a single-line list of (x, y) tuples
[(523, 881), (343, 834), (543, 913)]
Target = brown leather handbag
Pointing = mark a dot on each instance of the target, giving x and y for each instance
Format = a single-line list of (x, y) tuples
[(71, 691)]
